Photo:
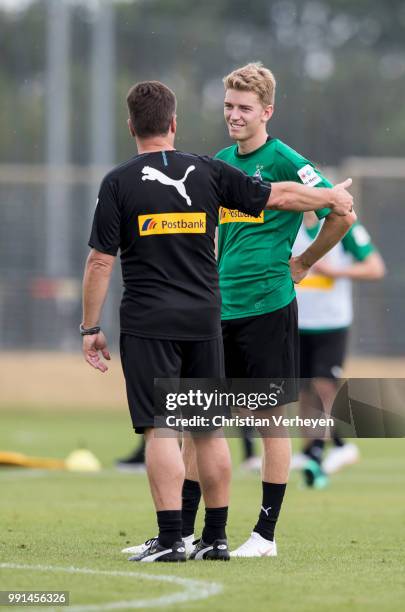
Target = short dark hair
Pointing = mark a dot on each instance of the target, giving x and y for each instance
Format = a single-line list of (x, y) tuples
[(151, 107)]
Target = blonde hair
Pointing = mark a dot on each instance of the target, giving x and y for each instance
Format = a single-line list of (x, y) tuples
[(253, 77)]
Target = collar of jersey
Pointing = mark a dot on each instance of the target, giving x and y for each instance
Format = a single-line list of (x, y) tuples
[(246, 155)]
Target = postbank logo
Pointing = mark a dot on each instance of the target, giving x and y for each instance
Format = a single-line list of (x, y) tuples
[(172, 223), (227, 215)]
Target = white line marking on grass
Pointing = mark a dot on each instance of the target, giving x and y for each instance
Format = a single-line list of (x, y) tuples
[(193, 590)]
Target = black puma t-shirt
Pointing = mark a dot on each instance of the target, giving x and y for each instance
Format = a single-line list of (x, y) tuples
[(161, 210)]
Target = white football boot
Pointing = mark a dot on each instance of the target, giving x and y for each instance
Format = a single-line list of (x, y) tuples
[(340, 456), (141, 548), (256, 546)]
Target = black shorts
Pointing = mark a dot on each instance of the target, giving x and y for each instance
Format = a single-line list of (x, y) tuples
[(144, 359), (266, 346), (322, 354)]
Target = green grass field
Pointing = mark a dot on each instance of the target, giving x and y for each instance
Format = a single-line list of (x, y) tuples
[(339, 549)]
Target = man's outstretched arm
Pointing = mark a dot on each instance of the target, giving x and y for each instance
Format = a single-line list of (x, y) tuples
[(333, 229), (96, 280), (299, 198)]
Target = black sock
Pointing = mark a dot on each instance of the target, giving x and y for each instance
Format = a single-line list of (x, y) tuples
[(191, 496), (315, 450), (169, 522), (338, 441), (215, 523), (273, 495)]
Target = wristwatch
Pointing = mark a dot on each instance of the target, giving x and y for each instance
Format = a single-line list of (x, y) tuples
[(89, 331)]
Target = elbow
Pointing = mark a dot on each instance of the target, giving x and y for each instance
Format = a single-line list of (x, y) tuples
[(383, 271), (346, 221), (379, 269), (341, 223), (380, 274), (98, 267), (100, 263), (350, 219)]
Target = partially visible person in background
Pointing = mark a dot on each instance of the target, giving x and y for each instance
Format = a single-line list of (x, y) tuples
[(251, 462), (325, 314), (135, 462)]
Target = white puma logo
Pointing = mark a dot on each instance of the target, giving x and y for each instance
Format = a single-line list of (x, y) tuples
[(266, 510), (280, 388), (151, 174)]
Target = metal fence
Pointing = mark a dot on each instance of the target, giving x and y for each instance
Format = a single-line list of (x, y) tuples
[(45, 217)]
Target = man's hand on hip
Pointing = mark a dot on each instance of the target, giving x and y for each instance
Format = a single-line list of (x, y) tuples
[(92, 346)]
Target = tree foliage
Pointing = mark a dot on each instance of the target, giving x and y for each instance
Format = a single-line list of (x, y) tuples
[(340, 67)]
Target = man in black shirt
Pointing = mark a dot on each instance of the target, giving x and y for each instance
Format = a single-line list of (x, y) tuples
[(160, 209)]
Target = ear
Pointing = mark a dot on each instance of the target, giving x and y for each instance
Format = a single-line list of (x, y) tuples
[(267, 113), (130, 127), (173, 124)]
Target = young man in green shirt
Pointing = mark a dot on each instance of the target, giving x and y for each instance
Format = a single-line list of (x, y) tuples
[(257, 274)]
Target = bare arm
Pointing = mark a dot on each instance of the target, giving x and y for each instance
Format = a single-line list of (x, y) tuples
[(296, 197), (332, 231), (96, 280), (371, 268)]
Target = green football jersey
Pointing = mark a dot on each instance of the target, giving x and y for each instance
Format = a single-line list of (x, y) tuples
[(254, 253)]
